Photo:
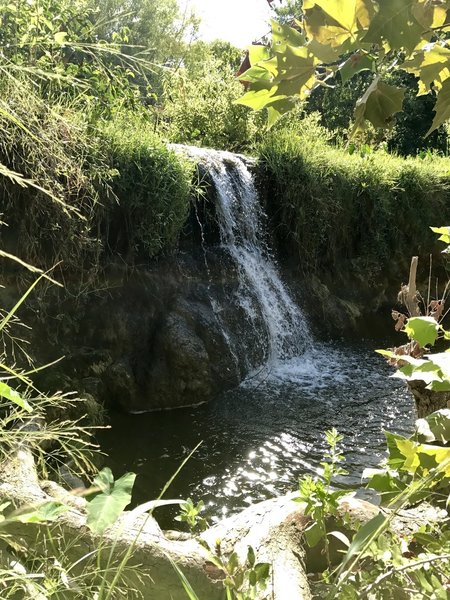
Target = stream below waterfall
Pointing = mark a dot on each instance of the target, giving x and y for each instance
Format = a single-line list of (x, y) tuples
[(258, 439)]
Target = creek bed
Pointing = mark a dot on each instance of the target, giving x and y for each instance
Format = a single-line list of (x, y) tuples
[(258, 439)]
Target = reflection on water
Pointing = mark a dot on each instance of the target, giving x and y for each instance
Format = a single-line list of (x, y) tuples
[(259, 438)]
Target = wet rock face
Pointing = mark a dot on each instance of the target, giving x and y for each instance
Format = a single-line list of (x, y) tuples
[(152, 341)]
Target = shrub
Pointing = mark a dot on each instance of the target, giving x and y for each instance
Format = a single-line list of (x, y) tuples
[(152, 186), (334, 204)]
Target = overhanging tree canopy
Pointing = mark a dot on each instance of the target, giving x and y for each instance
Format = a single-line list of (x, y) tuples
[(347, 37)]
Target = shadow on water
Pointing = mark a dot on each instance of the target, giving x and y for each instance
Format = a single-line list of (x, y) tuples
[(261, 437)]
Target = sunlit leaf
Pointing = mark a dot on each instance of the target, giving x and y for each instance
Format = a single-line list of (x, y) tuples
[(379, 104), (283, 36), (423, 330), (444, 233), (442, 107), (395, 23), (434, 427), (359, 61), (104, 509), (430, 65), (7, 392)]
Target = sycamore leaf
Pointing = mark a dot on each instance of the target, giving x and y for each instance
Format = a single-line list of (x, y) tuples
[(283, 36), (434, 428), (427, 372), (322, 28), (276, 110), (359, 61), (344, 12), (7, 392), (378, 105), (104, 509), (444, 233), (258, 99), (255, 73), (429, 14), (257, 54), (442, 107), (423, 330), (430, 65), (442, 361), (395, 24)]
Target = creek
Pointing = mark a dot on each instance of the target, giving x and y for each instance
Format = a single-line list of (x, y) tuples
[(259, 438)]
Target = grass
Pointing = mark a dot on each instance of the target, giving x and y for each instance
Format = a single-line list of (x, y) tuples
[(370, 209), (152, 186), (90, 188)]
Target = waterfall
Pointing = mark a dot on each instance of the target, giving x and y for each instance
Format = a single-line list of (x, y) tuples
[(261, 294)]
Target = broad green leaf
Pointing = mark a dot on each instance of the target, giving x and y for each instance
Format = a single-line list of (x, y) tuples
[(395, 24), (363, 539), (314, 534), (256, 73), (442, 107), (257, 54), (423, 330), (344, 12), (46, 512), (442, 361), (259, 99), (324, 29), (430, 14), (379, 104), (444, 233), (60, 37), (427, 372), (439, 386), (104, 509), (7, 392), (359, 61), (283, 36), (430, 65), (434, 428)]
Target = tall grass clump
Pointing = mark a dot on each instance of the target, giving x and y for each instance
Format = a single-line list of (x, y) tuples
[(152, 186), (366, 208), (49, 206)]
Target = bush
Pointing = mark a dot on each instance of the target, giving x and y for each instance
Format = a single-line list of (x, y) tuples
[(332, 204), (199, 109), (152, 186)]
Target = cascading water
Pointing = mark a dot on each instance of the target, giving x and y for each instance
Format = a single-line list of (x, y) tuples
[(261, 295)]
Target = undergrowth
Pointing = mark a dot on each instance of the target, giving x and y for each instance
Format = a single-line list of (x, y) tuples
[(152, 186), (90, 189), (332, 204)]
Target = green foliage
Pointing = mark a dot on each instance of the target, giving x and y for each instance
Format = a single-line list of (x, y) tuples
[(152, 186), (366, 209), (245, 580), (383, 561), (199, 104), (423, 330), (190, 514), (321, 500), (105, 507), (382, 35)]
